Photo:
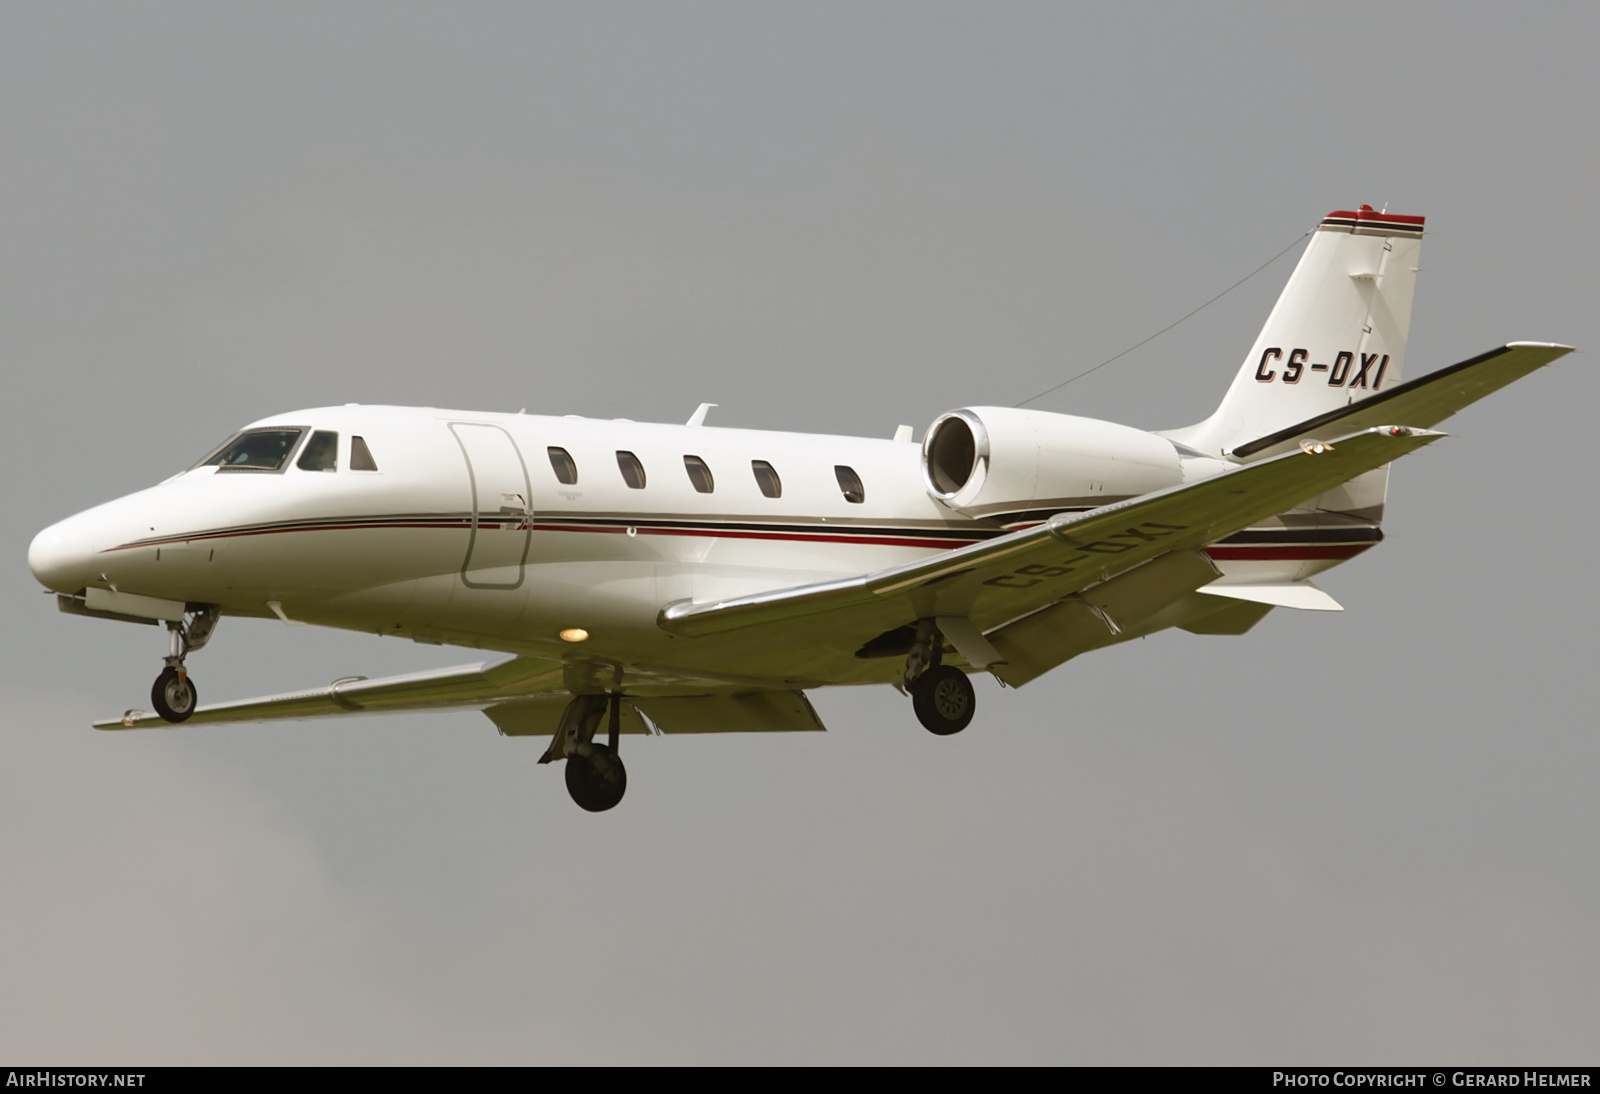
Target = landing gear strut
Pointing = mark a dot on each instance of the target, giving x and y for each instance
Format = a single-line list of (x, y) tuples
[(173, 694), (941, 694), (596, 779)]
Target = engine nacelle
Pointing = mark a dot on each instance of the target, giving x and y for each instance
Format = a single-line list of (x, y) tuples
[(991, 462)]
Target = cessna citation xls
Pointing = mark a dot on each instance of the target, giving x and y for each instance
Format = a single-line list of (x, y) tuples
[(690, 579)]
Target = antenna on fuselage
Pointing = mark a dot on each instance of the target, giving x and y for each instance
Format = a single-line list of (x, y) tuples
[(699, 416)]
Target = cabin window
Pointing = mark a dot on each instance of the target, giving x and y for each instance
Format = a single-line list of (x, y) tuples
[(767, 478), (850, 484), (321, 452), (562, 463), (361, 456), (632, 470), (699, 474), (257, 450)]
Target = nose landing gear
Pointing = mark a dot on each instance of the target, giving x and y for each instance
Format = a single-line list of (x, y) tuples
[(173, 694), (595, 777)]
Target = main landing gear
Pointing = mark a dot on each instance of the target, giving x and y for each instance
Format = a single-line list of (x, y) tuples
[(173, 694), (941, 694), (596, 778)]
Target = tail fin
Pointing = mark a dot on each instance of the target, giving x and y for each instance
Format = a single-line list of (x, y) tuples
[(1336, 335)]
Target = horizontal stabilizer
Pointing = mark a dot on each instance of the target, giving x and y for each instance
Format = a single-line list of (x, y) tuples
[(1290, 594), (1423, 402)]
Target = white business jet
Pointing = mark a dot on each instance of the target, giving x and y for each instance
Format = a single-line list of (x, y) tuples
[(689, 579)]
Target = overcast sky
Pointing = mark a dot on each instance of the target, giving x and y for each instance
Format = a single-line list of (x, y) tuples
[(1359, 837)]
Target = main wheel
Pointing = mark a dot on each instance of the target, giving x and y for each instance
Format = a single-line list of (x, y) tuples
[(944, 700), (174, 696), (596, 781)]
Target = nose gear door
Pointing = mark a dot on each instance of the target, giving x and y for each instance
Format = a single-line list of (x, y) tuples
[(497, 548)]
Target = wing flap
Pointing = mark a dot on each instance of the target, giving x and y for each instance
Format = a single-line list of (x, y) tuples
[(1423, 402), (1106, 613), (767, 711), (541, 717), (1003, 579)]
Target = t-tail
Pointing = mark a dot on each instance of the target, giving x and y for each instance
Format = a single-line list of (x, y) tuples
[(1337, 333), (1336, 336), (1330, 363)]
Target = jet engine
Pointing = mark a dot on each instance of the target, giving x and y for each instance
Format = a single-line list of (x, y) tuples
[(1010, 465)]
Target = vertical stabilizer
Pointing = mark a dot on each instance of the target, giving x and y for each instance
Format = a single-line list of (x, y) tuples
[(1336, 335)]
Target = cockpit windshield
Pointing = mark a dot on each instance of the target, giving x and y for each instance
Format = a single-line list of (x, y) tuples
[(256, 450)]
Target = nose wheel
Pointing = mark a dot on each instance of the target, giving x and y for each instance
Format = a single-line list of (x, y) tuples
[(174, 695)]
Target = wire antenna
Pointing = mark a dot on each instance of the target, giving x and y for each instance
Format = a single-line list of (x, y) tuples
[(1169, 326)]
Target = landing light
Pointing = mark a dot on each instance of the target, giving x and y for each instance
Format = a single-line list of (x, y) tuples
[(1315, 448), (574, 634)]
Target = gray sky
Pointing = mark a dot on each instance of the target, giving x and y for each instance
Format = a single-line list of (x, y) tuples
[(1366, 837)]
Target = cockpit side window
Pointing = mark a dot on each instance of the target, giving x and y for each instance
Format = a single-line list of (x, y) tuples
[(361, 456), (255, 450), (321, 452)]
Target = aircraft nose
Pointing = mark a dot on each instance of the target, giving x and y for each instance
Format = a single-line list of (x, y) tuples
[(61, 558)]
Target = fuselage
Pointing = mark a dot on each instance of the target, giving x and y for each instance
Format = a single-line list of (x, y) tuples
[(504, 531)]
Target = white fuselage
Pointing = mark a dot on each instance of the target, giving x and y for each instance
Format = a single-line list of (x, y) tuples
[(465, 534)]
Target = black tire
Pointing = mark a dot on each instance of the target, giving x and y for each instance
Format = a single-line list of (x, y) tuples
[(944, 700), (174, 696), (596, 781)]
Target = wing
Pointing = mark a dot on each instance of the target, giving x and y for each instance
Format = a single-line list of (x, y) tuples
[(1004, 579), (523, 696), (469, 686), (1423, 402)]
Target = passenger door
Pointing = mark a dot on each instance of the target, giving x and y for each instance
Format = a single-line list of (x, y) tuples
[(497, 548)]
